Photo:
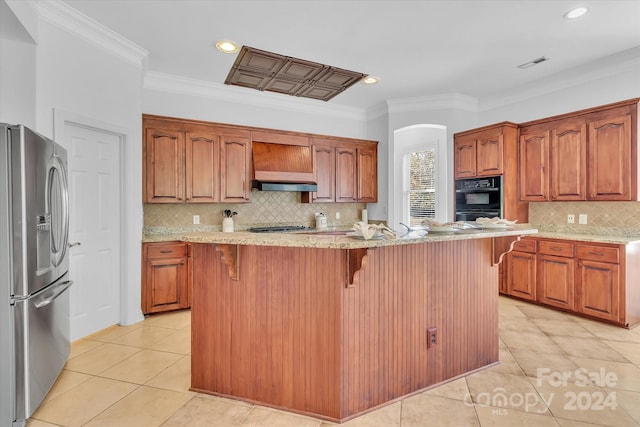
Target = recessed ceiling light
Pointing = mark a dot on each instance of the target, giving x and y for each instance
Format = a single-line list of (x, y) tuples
[(370, 80), (227, 46), (576, 13)]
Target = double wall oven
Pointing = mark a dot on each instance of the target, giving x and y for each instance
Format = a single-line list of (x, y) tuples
[(478, 197)]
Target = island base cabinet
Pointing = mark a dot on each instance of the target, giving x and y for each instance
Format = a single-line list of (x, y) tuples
[(336, 342)]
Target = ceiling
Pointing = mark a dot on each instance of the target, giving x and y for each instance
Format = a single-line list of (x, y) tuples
[(416, 48)]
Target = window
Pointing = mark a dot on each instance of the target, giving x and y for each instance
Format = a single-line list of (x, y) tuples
[(420, 192), (419, 187)]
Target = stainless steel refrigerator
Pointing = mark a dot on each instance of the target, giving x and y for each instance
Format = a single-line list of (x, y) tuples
[(34, 270)]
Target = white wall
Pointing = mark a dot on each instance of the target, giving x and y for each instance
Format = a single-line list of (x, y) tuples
[(566, 93), (287, 115), (17, 83), (378, 130), (17, 67), (455, 119), (86, 81)]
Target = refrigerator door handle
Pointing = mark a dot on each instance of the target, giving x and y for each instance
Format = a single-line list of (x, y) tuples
[(48, 297), (57, 200)]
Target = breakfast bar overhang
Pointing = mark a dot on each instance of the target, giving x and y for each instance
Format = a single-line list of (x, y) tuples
[(334, 327)]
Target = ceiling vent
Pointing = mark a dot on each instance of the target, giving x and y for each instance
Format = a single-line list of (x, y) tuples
[(534, 62), (268, 71)]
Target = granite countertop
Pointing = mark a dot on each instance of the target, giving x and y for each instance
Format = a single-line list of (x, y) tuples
[(328, 240), (212, 235), (594, 238)]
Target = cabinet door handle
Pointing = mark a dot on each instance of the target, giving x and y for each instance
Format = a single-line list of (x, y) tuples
[(596, 253), (182, 262), (166, 251)]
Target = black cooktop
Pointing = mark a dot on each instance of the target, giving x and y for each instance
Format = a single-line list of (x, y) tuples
[(277, 228)]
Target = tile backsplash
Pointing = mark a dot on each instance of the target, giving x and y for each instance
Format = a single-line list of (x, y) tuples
[(266, 208), (612, 218)]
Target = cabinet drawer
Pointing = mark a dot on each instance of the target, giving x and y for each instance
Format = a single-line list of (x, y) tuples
[(562, 249), (525, 245), (599, 253), (166, 250)]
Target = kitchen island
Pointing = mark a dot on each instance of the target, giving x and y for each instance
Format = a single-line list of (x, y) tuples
[(331, 326)]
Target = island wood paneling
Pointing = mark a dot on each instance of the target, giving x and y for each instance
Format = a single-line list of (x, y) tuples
[(292, 333)]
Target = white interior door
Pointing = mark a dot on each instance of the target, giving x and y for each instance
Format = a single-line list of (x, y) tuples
[(94, 222)]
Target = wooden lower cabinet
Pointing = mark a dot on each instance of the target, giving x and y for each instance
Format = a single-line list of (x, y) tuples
[(166, 277), (598, 289), (593, 279), (521, 275), (555, 273), (598, 281), (555, 281)]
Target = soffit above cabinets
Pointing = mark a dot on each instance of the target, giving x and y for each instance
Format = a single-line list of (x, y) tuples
[(268, 71)]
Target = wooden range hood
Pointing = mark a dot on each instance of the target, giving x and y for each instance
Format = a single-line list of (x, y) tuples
[(282, 167)]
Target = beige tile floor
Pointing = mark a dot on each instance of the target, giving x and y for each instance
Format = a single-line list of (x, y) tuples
[(139, 376)]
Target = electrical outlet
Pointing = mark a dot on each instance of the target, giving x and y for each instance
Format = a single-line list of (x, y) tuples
[(196, 219), (582, 218), (337, 215), (571, 218), (432, 337)]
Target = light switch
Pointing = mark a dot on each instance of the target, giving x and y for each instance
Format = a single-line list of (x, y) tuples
[(196, 219), (582, 219)]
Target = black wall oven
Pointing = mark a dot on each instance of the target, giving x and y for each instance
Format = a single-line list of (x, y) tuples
[(478, 197)]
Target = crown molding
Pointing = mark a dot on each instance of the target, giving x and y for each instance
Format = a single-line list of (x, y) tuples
[(377, 111), (628, 60), (62, 15), (455, 101), (169, 83)]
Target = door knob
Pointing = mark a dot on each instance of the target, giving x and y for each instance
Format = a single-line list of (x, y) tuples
[(74, 244)]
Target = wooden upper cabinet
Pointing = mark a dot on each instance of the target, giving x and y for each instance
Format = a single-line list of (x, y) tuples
[(479, 153), (492, 151), (465, 157), (345, 171), (163, 166), (489, 155), (235, 158), (534, 158), (568, 157), (610, 160), (346, 174), (553, 161), (190, 161), (324, 169), (367, 174), (202, 167), (187, 161), (592, 155)]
